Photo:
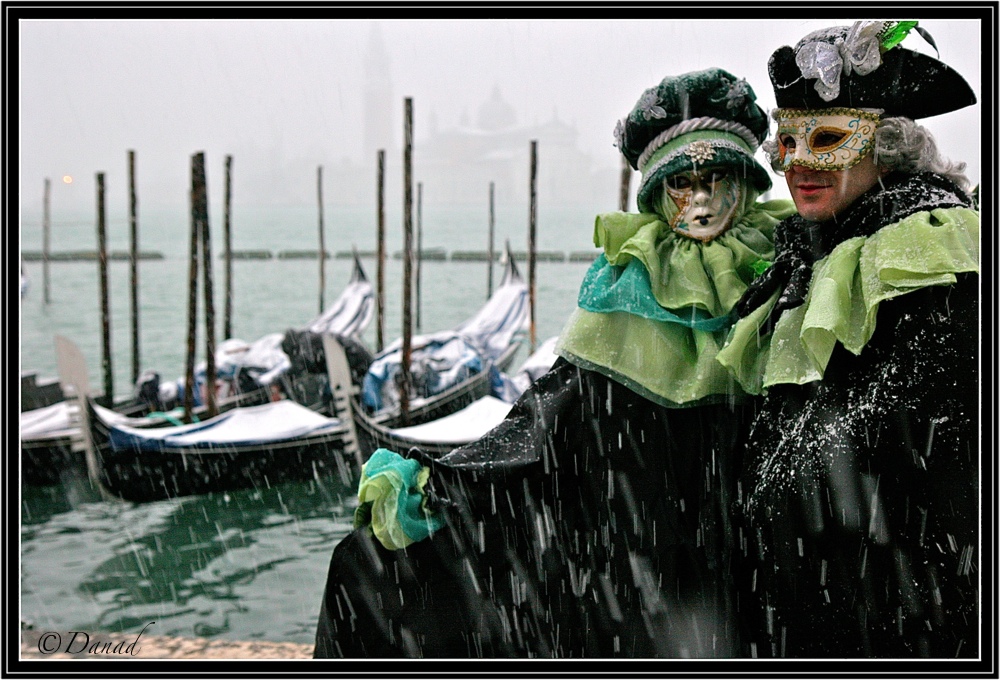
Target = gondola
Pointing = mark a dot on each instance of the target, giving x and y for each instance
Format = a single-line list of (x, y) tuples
[(236, 450), (439, 436), (139, 459), (51, 439), (279, 362), (47, 444), (491, 339), (251, 446), (496, 332)]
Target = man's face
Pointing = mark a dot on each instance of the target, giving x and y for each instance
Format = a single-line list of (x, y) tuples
[(820, 195)]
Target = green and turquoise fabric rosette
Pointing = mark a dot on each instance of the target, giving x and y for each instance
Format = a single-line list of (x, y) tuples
[(392, 501)]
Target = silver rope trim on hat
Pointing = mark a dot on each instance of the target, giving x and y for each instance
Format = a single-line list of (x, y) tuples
[(692, 124), (648, 173)]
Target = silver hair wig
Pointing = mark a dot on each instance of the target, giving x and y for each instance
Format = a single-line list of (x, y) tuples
[(900, 144)]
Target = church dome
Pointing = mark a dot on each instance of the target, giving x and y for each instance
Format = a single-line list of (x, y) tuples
[(496, 114)]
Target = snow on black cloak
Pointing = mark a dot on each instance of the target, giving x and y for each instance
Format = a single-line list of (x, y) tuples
[(861, 486), (595, 520)]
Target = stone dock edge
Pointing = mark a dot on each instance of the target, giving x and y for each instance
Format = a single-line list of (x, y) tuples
[(158, 647)]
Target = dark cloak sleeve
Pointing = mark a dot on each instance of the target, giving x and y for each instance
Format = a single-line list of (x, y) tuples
[(863, 490), (590, 523)]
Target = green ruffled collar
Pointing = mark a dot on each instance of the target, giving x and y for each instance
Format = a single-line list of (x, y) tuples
[(846, 288), (685, 273), (654, 308)]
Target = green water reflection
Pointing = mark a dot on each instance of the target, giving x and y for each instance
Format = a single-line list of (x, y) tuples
[(243, 565)]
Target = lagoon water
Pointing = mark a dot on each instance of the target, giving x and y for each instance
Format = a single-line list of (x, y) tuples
[(247, 564)]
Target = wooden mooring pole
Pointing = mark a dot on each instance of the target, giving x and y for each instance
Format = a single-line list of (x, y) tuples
[(46, 226), (532, 216), (227, 236), (192, 325), (133, 261), (420, 249), (489, 253), (199, 193), (404, 386), (322, 239), (102, 266), (380, 265)]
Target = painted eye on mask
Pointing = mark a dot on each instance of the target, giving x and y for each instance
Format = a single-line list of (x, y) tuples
[(678, 182), (786, 150), (715, 176), (687, 180), (827, 139)]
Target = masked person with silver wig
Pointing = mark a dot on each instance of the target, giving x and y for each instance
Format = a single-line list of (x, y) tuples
[(595, 521), (861, 486)]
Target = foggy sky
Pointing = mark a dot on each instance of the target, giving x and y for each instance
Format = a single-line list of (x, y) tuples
[(286, 93)]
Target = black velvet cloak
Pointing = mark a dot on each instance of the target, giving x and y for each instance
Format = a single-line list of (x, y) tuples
[(590, 523), (862, 489)]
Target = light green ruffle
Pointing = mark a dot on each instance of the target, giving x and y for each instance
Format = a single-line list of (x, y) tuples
[(671, 363), (684, 272), (668, 363), (847, 286)]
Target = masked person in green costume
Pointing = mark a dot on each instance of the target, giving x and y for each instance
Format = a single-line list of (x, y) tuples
[(861, 485), (595, 520)]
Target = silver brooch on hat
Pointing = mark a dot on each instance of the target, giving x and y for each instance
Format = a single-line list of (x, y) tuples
[(700, 151)]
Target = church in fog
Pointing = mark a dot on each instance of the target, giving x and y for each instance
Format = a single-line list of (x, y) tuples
[(456, 164), (460, 163)]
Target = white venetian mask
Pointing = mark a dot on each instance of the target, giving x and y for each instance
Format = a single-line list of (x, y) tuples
[(706, 201), (828, 139)]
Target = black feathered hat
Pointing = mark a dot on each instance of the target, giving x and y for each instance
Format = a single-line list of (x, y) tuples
[(863, 67)]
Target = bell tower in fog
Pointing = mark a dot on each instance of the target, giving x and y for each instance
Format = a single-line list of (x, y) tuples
[(379, 106)]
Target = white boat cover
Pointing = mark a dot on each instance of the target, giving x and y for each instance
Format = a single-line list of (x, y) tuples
[(510, 387), (446, 358), (48, 422), (350, 314), (246, 426), (57, 420), (497, 322), (477, 419), (461, 427)]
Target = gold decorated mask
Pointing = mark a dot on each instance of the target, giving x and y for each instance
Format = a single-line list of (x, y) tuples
[(828, 139)]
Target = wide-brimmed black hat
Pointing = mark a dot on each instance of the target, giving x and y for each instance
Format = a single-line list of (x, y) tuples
[(850, 66)]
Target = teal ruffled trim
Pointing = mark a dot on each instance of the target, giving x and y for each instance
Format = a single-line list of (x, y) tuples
[(392, 502), (608, 288)]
